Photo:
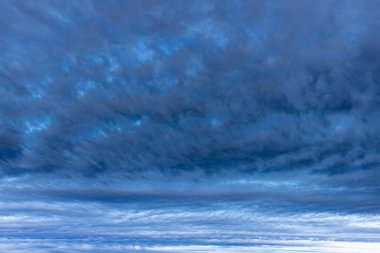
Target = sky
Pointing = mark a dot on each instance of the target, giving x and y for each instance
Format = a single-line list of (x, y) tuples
[(168, 126)]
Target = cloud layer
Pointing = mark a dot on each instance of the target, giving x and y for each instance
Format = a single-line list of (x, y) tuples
[(172, 106)]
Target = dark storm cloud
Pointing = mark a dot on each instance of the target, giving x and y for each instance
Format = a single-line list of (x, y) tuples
[(172, 89), (189, 126), (11, 145)]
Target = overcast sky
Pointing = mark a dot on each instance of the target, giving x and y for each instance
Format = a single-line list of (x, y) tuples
[(189, 126)]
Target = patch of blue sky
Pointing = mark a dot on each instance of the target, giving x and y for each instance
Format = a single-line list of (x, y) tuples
[(36, 91), (82, 88), (37, 125), (142, 50)]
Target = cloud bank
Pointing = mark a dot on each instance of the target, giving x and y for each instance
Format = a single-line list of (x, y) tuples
[(164, 108)]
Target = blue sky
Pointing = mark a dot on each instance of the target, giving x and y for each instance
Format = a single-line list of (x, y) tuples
[(189, 126)]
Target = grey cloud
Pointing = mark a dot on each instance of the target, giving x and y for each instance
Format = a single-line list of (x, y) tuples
[(168, 88), (172, 126)]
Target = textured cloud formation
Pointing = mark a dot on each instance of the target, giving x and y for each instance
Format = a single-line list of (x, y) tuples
[(176, 107)]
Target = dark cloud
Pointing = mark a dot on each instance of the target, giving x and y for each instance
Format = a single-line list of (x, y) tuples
[(102, 87), (178, 106), (10, 146), (98, 87)]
